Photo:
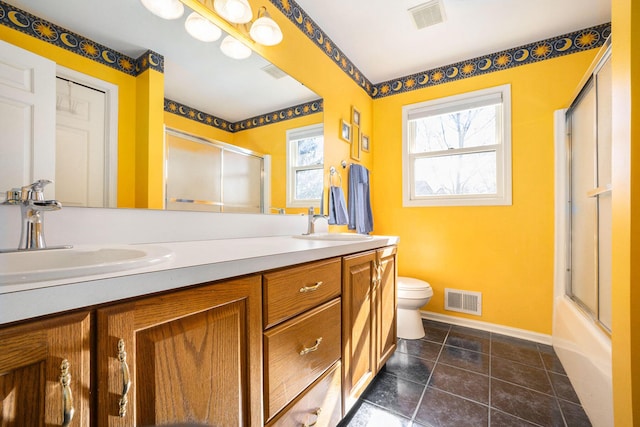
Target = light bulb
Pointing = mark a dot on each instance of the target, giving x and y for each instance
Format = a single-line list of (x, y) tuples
[(266, 31), (165, 9), (201, 28), (236, 11), (234, 48)]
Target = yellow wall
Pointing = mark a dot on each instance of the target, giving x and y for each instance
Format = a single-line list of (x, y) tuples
[(505, 252), (339, 92), (126, 101), (271, 139), (149, 183), (626, 212)]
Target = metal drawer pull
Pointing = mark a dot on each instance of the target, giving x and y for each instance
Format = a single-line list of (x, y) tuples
[(317, 413), (126, 378), (306, 350), (311, 288), (67, 397)]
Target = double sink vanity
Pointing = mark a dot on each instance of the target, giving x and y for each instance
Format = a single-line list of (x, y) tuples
[(277, 330)]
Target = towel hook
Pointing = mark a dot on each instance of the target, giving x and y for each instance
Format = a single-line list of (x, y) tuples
[(332, 172)]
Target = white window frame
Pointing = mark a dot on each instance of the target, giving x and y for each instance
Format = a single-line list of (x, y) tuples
[(294, 135), (502, 149)]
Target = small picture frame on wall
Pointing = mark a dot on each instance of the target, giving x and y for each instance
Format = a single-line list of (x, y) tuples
[(345, 131), (355, 144), (365, 143), (355, 116)]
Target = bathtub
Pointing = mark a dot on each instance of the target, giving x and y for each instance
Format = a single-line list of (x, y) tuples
[(583, 348)]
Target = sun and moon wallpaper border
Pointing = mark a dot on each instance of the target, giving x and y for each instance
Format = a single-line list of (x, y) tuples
[(34, 26)]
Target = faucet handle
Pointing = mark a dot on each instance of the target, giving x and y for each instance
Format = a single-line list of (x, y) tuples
[(13, 197), (35, 191)]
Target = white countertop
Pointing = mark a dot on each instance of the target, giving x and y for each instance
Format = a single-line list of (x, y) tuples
[(193, 262)]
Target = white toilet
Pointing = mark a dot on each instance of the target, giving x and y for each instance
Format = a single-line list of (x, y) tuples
[(413, 294)]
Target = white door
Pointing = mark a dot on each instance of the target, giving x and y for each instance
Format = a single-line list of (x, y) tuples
[(27, 118), (80, 145)]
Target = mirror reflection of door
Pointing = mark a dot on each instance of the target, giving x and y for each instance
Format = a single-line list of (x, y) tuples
[(80, 145), (86, 140), (27, 89)]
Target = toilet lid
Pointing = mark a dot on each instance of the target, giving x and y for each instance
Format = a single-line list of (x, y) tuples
[(410, 283)]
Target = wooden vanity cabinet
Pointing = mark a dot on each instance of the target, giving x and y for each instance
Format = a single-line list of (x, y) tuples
[(294, 346), (192, 356), (302, 344), (369, 302), (386, 305), (45, 365)]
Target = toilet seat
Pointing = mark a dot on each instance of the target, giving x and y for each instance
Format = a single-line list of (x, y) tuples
[(412, 284)]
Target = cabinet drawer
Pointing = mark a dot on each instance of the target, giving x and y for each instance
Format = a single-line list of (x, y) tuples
[(297, 352), (319, 406), (294, 290)]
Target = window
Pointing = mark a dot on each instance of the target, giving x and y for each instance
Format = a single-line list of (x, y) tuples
[(305, 166), (457, 150)]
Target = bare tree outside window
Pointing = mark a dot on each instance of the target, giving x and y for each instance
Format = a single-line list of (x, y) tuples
[(471, 173), (305, 166), (458, 150)]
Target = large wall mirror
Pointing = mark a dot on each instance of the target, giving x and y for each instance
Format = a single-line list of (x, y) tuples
[(197, 75)]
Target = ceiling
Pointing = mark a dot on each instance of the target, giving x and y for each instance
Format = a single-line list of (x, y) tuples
[(381, 39)]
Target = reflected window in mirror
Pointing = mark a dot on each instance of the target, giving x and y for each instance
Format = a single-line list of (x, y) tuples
[(305, 166)]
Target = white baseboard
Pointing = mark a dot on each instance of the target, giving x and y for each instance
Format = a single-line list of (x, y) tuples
[(489, 327)]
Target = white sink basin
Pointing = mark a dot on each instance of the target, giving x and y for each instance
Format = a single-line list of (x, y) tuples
[(352, 237), (52, 264)]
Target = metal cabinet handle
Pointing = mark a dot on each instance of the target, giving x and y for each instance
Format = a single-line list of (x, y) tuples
[(317, 413), (126, 378), (67, 397), (311, 288), (306, 350)]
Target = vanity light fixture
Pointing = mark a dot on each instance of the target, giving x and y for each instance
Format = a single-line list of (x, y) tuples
[(165, 9), (235, 11), (201, 28), (234, 48), (265, 30)]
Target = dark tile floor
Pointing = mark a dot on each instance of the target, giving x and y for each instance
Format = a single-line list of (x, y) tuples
[(457, 376)]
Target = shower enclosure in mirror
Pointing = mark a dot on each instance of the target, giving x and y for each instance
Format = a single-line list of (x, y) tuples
[(210, 176)]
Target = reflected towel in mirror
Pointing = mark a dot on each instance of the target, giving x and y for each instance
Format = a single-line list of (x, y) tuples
[(337, 207)]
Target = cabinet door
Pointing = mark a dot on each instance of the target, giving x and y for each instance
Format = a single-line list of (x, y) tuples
[(192, 356), (358, 325), (45, 372), (386, 305)]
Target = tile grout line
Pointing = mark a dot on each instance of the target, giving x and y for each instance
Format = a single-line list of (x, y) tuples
[(490, 377), (553, 388), (435, 363)]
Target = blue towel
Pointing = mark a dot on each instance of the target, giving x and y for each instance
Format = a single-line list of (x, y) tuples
[(337, 207), (360, 216)]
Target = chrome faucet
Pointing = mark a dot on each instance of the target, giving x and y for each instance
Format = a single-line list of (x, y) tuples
[(312, 221), (32, 205)]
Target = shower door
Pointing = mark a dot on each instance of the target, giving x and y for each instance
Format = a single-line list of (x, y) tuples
[(589, 121)]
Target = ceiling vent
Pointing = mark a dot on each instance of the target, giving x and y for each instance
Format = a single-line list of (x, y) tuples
[(274, 71), (427, 14)]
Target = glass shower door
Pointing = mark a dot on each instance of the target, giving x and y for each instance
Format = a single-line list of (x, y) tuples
[(590, 195)]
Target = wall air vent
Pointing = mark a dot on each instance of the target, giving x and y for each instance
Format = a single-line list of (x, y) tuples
[(463, 301), (274, 71), (427, 14)]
